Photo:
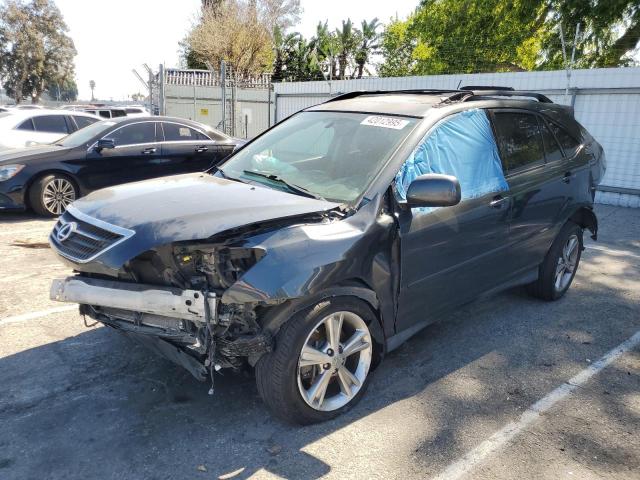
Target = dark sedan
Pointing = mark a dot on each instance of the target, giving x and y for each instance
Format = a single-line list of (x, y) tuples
[(47, 178)]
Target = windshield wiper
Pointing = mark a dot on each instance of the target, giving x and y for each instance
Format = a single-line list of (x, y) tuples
[(292, 187)]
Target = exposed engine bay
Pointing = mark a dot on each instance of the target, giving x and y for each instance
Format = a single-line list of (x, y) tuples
[(173, 293)]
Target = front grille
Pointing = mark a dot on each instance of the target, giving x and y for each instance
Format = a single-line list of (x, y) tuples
[(84, 238)]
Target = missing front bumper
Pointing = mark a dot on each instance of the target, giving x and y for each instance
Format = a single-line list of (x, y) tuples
[(164, 301)]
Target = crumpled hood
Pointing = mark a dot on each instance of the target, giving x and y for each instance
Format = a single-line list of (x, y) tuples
[(186, 207)]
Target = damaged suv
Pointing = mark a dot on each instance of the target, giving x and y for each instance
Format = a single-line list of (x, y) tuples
[(333, 237)]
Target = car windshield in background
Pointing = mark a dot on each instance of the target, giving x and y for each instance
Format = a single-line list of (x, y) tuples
[(329, 155), (84, 135)]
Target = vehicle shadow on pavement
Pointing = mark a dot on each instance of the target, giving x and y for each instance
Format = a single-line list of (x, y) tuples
[(96, 405)]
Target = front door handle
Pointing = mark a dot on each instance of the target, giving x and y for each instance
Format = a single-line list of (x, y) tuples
[(497, 201), (149, 151), (201, 149), (567, 177)]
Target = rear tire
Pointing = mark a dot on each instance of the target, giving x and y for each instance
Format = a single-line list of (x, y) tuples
[(560, 265), (50, 195), (292, 383)]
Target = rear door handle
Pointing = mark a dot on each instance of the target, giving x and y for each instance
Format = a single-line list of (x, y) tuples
[(497, 201), (201, 149), (567, 177), (149, 151)]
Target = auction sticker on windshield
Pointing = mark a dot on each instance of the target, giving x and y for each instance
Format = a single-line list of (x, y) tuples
[(385, 122)]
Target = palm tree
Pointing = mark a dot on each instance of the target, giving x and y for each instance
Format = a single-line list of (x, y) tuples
[(92, 86), (284, 45), (369, 43), (323, 50), (348, 40)]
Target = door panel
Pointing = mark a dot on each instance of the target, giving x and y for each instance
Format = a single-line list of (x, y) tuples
[(137, 156), (536, 200), (185, 157), (450, 256), (188, 150)]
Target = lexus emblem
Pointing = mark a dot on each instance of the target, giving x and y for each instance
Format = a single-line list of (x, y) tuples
[(66, 231)]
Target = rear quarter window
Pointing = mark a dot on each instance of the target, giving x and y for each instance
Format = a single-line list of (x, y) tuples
[(26, 125), (569, 144)]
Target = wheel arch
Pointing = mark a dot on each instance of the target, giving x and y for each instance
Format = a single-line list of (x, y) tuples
[(44, 173), (586, 218), (278, 315)]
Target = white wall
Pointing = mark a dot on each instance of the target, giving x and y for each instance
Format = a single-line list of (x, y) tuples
[(607, 103)]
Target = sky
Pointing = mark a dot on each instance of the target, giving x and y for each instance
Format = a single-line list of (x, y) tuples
[(114, 37)]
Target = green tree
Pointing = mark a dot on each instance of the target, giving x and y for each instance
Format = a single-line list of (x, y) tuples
[(369, 43), (324, 48), (65, 90), (610, 31), (463, 36), (348, 39), (35, 50), (396, 48)]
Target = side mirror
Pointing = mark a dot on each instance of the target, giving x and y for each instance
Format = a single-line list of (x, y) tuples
[(105, 143), (434, 190)]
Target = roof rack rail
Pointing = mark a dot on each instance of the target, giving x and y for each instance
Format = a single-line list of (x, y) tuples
[(357, 93), (464, 94), (506, 93), (486, 87)]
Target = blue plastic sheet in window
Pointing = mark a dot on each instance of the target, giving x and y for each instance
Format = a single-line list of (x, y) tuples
[(463, 146)]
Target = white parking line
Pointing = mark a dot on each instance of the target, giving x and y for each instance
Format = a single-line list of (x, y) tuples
[(499, 439), (611, 251), (38, 314)]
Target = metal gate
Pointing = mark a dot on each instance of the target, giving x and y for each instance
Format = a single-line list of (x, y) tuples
[(238, 105)]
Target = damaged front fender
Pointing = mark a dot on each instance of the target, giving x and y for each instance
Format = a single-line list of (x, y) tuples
[(302, 261)]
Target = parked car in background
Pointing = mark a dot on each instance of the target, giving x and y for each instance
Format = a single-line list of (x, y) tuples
[(20, 128), (107, 112), (332, 238), (47, 178), (136, 111), (28, 107)]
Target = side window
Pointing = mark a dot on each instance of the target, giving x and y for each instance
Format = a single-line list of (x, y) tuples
[(552, 150), (462, 145), (215, 135), (520, 139), (51, 124), (84, 121), (104, 113), (569, 144), (174, 132), (134, 134), (26, 125)]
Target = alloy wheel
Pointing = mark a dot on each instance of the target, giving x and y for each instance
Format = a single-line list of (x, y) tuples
[(567, 261), (57, 195), (334, 362)]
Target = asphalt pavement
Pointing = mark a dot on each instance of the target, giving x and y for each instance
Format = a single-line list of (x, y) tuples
[(509, 387)]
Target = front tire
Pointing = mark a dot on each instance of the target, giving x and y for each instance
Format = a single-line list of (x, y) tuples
[(321, 364), (50, 195), (560, 265)]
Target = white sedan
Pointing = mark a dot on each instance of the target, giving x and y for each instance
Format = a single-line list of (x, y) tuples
[(21, 128)]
